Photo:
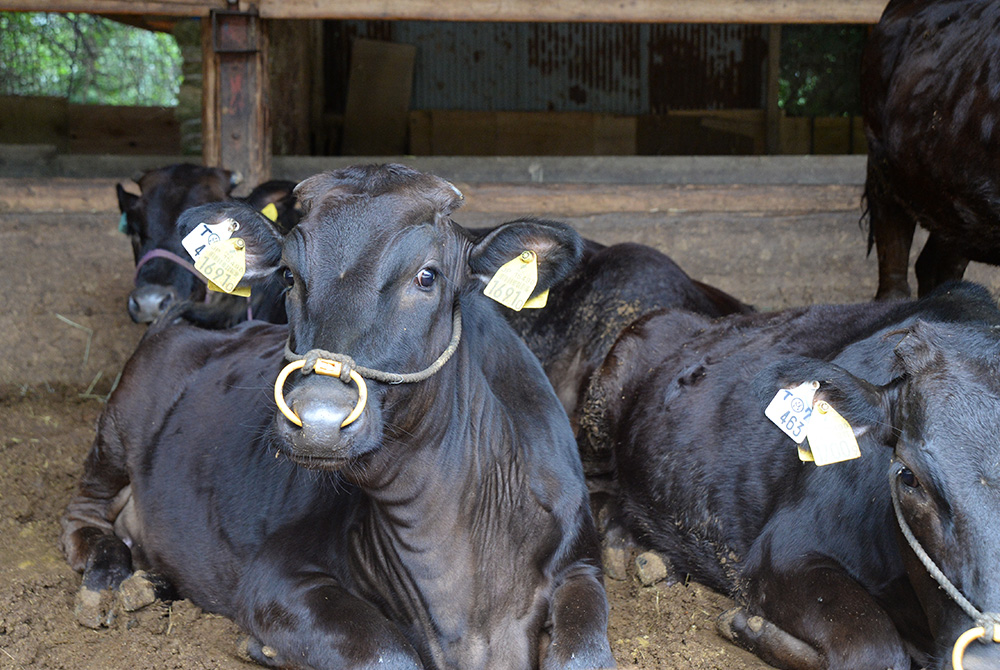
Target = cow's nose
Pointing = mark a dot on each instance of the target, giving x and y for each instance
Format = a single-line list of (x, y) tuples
[(145, 303), (321, 434)]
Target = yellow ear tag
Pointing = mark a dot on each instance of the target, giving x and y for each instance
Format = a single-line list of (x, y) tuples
[(538, 301), (224, 263), (831, 438), (513, 283), (270, 211)]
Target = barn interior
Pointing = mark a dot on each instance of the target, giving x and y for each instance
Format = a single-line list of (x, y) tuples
[(654, 121)]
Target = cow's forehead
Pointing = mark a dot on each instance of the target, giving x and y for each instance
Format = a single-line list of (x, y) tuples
[(362, 220)]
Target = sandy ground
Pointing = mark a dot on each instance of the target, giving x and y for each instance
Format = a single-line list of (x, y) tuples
[(64, 335)]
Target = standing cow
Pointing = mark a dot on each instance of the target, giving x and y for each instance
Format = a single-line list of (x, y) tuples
[(164, 273), (815, 556), (930, 89), (444, 523)]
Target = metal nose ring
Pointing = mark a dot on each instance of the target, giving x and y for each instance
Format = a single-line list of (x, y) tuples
[(323, 367)]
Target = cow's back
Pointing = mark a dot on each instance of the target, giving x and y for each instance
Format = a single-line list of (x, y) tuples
[(703, 473)]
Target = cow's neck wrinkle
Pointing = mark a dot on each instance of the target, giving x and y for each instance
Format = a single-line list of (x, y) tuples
[(450, 520)]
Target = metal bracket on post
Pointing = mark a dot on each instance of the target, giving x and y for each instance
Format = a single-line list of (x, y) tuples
[(238, 33)]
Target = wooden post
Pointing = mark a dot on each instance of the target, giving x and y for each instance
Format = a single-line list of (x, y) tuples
[(237, 133), (772, 131)]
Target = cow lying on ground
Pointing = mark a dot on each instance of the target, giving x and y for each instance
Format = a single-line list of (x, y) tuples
[(814, 555), (450, 527), (930, 85), (611, 287), (164, 270)]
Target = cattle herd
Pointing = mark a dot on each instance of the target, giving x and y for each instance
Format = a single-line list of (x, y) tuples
[(379, 458)]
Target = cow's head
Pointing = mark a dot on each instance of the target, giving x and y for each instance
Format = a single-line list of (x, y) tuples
[(941, 418), (150, 221), (374, 271)]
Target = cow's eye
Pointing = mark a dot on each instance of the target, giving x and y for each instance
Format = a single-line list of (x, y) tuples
[(425, 278), (286, 277), (908, 478)]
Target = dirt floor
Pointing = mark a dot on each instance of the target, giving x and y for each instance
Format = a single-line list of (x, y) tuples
[(64, 335)]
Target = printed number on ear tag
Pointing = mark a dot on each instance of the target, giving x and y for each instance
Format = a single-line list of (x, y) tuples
[(513, 283), (791, 409), (224, 264), (831, 438), (205, 234)]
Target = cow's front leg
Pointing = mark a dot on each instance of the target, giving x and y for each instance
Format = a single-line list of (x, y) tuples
[(825, 610), (578, 623), (937, 263), (308, 620), (892, 234)]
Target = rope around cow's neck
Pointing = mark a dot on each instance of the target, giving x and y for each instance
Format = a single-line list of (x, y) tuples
[(987, 623), (344, 368)]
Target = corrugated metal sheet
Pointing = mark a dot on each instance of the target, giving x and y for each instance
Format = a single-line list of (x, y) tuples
[(607, 68)]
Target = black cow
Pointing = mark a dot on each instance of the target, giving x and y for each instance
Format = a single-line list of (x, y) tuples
[(164, 271), (930, 89), (813, 555), (611, 287), (449, 527)]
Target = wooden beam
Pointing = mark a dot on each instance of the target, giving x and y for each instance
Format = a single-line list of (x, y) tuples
[(140, 7), (618, 11), (236, 129), (98, 195), (772, 126)]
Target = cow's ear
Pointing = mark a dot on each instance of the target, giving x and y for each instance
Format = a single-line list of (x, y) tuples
[(866, 406), (126, 200), (262, 240), (557, 246)]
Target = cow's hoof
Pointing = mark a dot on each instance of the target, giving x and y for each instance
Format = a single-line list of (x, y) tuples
[(761, 637), (651, 567), (136, 592), (260, 653), (94, 609)]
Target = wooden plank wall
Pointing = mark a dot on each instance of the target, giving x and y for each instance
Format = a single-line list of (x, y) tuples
[(88, 129), (695, 132)]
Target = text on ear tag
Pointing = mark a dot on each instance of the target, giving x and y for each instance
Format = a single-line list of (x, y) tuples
[(831, 438), (205, 234), (223, 263), (513, 283), (791, 409), (270, 211)]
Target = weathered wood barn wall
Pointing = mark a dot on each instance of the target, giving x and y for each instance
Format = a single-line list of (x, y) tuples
[(269, 86)]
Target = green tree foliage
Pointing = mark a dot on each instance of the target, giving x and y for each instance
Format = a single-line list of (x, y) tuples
[(87, 59), (821, 70)]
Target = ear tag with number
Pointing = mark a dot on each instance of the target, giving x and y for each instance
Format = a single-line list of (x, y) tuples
[(224, 264), (270, 211), (123, 223), (513, 283), (791, 409), (205, 234), (831, 438)]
